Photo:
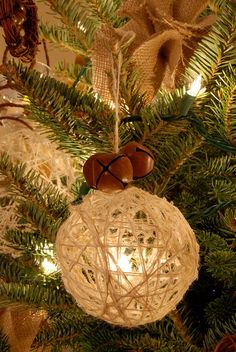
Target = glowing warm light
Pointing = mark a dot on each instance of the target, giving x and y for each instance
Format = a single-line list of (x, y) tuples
[(112, 105), (195, 86), (81, 27), (124, 264), (47, 264), (119, 260), (48, 267), (26, 100)]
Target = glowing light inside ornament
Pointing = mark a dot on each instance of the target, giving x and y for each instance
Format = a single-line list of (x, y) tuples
[(124, 264), (121, 262), (125, 256), (195, 86)]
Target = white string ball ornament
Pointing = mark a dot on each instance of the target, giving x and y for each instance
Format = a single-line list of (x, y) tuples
[(128, 257), (39, 153)]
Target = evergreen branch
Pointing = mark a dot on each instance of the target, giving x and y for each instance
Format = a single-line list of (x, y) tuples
[(34, 248), (160, 131), (131, 101), (66, 327), (13, 270), (56, 337), (230, 112), (219, 166), (219, 4), (221, 310), (66, 38), (210, 242), (223, 105), (212, 140), (223, 190), (228, 218), (32, 243), (149, 128), (213, 335), (172, 156), (216, 50), (39, 217), (167, 104), (133, 341), (30, 185), (72, 71), (222, 266), (72, 118), (130, 129), (192, 324), (36, 295), (81, 74), (41, 198), (4, 344), (148, 134), (105, 10), (48, 91), (208, 212), (80, 143), (61, 131), (75, 15)]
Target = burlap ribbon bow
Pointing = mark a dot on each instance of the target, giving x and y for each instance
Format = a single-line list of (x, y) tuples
[(163, 36)]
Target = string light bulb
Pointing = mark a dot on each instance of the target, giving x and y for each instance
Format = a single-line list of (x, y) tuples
[(48, 267), (190, 96), (195, 86)]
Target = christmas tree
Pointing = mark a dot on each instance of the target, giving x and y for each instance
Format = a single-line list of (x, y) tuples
[(130, 81)]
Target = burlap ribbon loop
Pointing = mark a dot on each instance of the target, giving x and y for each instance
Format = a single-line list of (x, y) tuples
[(107, 44), (161, 37), (21, 326)]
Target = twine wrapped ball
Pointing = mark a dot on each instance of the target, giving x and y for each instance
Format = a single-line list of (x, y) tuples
[(127, 257), (29, 146)]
